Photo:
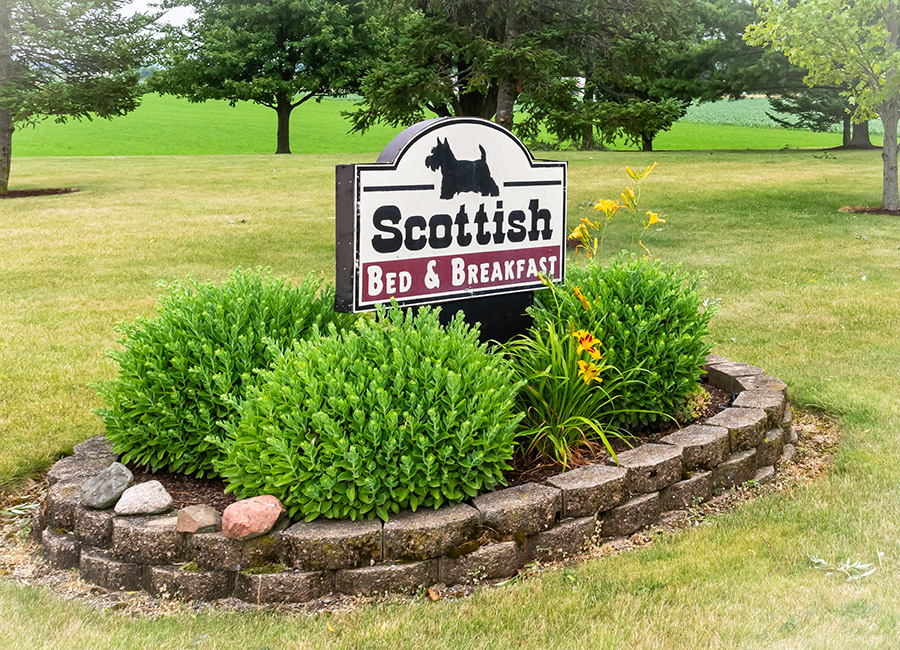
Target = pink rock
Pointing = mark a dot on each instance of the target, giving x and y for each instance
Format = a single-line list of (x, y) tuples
[(252, 517)]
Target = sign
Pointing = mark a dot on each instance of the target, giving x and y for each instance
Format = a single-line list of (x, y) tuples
[(454, 208)]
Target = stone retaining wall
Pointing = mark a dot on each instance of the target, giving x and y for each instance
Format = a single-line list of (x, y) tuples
[(492, 536)]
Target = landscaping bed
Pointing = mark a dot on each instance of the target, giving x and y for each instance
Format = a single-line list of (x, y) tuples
[(491, 536)]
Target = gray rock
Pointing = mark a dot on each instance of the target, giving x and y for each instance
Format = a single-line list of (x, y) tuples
[(787, 455), (490, 561), (429, 533), (147, 540), (569, 537), (769, 450), (148, 498), (325, 544), (739, 468), (283, 587), (102, 569), (199, 519), (524, 509), (104, 489), (94, 527), (725, 375), (631, 516), (764, 474), (702, 446), (746, 426), (215, 551), (589, 490), (190, 585), (770, 401), (61, 550), (685, 493), (650, 467), (386, 578)]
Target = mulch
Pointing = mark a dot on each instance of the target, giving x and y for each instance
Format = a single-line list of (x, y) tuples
[(865, 209), (50, 191)]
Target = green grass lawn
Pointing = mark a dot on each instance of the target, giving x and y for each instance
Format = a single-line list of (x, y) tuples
[(807, 292), (171, 126)]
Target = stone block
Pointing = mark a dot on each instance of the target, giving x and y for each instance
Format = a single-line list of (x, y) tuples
[(769, 450), (97, 448), (702, 446), (746, 426), (386, 578), (94, 527), (787, 419), (787, 455), (490, 561), (38, 523), (63, 500), (589, 490), (524, 509), (631, 516), (101, 568), (760, 382), (189, 585), (685, 493), (725, 375), (62, 550), (738, 468), (715, 359), (74, 469), (429, 533), (566, 539), (791, 438), (147, 540), (324, 544), (283, 587), (650, 467), (764, 474), (215, 551), (770, 401)]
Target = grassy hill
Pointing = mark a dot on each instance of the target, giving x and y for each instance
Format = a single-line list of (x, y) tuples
[(170, 126)]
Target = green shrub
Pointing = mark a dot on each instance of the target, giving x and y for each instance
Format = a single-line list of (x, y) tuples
[(399, 412), (652, 323), (182, 371)]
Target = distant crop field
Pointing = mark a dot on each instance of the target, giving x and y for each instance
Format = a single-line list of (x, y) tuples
[(172, 126)]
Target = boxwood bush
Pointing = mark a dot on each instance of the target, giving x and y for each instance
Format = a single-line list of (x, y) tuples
[(182, 371), (399, 412), (652, 323)]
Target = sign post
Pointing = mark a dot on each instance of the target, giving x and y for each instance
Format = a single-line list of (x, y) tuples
[(455, 213)]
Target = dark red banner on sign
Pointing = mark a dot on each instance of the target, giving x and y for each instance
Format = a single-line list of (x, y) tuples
[(430, 276)]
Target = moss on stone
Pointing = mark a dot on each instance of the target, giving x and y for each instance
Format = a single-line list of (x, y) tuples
[(273, 567), (191, 567)]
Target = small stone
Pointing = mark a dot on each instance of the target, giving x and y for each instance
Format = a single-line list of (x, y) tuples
[(252, 517), (792, 437), (104, 489), (148, 498), (787, 455), (199, 519)]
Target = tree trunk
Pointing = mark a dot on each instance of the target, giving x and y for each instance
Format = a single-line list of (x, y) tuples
[(845, 139), (587, 134), (646, 142), (860, 137), (889, 117), (6, 124), (284, 108), (507, 91)]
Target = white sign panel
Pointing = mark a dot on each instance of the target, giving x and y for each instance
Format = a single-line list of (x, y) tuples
[(454, 208)]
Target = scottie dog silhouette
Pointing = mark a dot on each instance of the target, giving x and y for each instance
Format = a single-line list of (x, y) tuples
[(459, 176)]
